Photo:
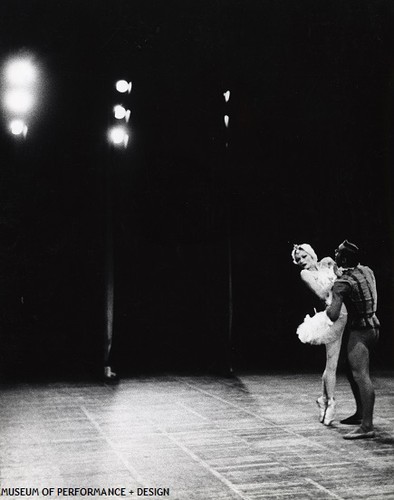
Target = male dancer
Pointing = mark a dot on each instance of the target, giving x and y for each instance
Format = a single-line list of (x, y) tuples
[(357, 289)]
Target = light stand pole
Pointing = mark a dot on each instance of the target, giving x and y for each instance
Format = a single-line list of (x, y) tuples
[(118, 138), (109, 270), (230, 344)]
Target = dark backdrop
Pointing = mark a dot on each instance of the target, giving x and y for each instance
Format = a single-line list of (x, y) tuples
[(309, 159)]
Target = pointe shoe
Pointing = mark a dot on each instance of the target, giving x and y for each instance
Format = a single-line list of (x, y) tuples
[(330, 412), (322, 404)]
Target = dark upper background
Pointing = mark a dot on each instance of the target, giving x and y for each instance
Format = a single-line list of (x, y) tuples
[(309, 160)]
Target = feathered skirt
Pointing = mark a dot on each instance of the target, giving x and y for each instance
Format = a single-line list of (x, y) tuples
[(319, 329)]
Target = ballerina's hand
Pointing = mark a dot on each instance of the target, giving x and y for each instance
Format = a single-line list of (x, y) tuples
[(338, 271)]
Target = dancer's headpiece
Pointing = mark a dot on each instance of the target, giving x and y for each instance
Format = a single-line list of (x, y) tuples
[(351, 247), (348, 251)]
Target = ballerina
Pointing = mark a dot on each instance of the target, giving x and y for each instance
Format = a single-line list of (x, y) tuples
[(319, 329)]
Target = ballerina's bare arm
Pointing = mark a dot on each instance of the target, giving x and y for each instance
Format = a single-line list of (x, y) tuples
[(308, 278)]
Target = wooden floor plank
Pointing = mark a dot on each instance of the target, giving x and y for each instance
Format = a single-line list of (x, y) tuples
[(254, 436)]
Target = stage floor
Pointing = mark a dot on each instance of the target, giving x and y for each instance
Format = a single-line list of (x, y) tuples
[(254, 436)]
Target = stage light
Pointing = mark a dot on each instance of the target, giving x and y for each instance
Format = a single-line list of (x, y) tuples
[(118, 136), (226, 95), (20, 92), (121, 113), (226, 120), (123, 86), (18, 127)]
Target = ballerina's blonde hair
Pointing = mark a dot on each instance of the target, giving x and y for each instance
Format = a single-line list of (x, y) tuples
[(306, 248)]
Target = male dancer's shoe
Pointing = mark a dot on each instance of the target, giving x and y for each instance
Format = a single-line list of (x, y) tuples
[(322, 404), (360, 433), (109, 376), (330, 412), (352, 420)]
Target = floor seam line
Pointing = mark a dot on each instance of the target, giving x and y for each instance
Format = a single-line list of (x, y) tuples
[(254, 415), (322, 488), (202, 462), (136, 476)]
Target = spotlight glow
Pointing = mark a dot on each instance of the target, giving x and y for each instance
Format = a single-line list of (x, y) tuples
[(226, 95), (20, 72), (18, 101)]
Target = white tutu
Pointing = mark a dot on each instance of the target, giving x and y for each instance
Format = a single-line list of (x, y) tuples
[(319, 329)]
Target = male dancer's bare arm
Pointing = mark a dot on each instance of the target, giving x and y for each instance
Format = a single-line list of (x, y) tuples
[(334, 309)]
